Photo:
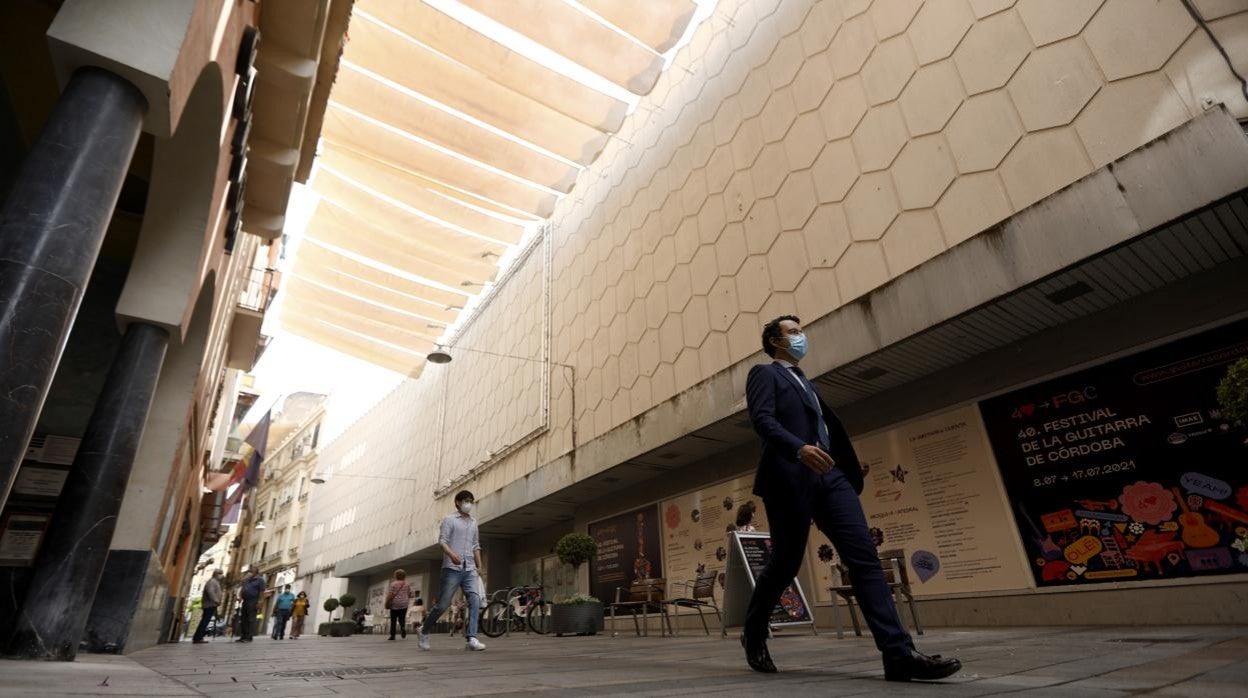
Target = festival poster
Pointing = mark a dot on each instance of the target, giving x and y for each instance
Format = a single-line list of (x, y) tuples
[(933, 498), (756, 549), (697, 528), (1129, 471), (628, 550)]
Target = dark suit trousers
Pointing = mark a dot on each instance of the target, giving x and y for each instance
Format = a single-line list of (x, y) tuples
[(835, 509)]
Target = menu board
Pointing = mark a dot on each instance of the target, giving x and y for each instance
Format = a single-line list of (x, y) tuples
[(697, 528), (628, 550), (755, 548), (39, 481), (933, 497), (1128, 470)]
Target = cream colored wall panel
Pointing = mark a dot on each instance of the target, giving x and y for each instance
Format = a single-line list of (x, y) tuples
[(787, 59), (972, 204), (1042, 163), (871, 206), (1054, 84), (762, 226), (835, 171), (569, 32), (820, 27), (991, 52), (730, 252), (983, 130), (787, 262), (696, 322), (796, 200), (744, 336), (887, 71), (938, 28), (853, 8), (753, 283), (1129, 38), (880, 137), (931, 98), (739, 196), (861, 269), (1127, 113), (984, 8), (1048, 21), (747, 144), (426, 24), (804, 141), (851, 46), (778, 115), (688, 368), (923, 171), (813, 83), (827, 236), (1215, 9), (722, 304), (913, 238), (892, 17), (754, 93)]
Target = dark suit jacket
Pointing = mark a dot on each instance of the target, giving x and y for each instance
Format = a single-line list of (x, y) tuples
[(787, 419)]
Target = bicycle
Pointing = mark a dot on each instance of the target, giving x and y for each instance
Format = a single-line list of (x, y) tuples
[(516, 608)]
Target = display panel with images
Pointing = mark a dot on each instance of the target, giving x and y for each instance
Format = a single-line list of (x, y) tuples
[(696, 528), (1129, 470), (934, 498), (628, 551)]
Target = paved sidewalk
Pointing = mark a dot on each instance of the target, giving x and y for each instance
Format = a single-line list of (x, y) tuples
[(1094, 662)]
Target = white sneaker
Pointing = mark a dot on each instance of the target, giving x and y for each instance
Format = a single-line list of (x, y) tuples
[(474, 645), (422, 639)]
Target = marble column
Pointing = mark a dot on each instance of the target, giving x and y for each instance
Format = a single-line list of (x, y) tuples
[(51, 227), (72, 556)]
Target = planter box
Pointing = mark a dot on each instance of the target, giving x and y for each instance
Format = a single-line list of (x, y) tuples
[(336, 629), (576, 619)]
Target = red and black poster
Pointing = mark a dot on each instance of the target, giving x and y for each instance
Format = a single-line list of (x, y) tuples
[(1128, 470), (628, 551)]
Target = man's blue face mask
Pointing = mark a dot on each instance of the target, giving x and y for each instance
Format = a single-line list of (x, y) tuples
[(797, 346)]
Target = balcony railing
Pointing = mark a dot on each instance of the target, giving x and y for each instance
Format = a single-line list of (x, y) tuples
[(259, 289)]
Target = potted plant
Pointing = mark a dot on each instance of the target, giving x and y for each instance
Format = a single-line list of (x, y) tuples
[(334, 628), (579, 614)]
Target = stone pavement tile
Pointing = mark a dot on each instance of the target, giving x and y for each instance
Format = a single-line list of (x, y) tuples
[(1204, 689), (85, 677)]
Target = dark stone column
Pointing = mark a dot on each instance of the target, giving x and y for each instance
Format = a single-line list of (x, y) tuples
[(72, 557), (51, 228)]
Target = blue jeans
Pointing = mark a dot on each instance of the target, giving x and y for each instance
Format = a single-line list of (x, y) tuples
[(466, 580)]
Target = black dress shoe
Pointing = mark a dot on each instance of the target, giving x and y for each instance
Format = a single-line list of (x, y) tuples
[(920, 667), (757, 656)]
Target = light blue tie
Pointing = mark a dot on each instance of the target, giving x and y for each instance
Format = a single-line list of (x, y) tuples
[(825, 439)]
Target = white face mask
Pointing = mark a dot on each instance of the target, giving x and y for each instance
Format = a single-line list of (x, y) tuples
[(466, 507)]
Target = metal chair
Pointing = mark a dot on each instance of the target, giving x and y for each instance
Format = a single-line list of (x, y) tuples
[(699, 595), (894, 564), (645, 597)]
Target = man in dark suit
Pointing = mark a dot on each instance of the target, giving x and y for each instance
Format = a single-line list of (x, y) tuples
[(809, 471)]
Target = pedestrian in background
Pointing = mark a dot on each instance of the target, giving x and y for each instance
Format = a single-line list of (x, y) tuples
[(299, 612), (282, 609), (211, 601), (398, 598), (251, 591)]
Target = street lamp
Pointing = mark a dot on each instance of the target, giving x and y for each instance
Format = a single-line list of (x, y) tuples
[(441, 356)]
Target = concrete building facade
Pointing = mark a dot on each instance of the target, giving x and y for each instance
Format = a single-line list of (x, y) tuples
[(959, 198), (149, 148)]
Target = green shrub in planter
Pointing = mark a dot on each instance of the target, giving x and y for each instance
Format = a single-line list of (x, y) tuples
[(579, 614), (330, 605), (337, 628)]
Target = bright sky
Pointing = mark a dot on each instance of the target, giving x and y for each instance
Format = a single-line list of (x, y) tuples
[(293, 364)]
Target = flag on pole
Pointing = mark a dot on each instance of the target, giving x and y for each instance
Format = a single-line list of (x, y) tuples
[(233, 505), (222, 480), (258, 439)]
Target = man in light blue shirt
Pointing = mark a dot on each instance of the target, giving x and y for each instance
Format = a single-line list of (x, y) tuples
[(461, 558), (282, 609)]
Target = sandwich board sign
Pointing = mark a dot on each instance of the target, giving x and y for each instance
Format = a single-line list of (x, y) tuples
[(748, 555)]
